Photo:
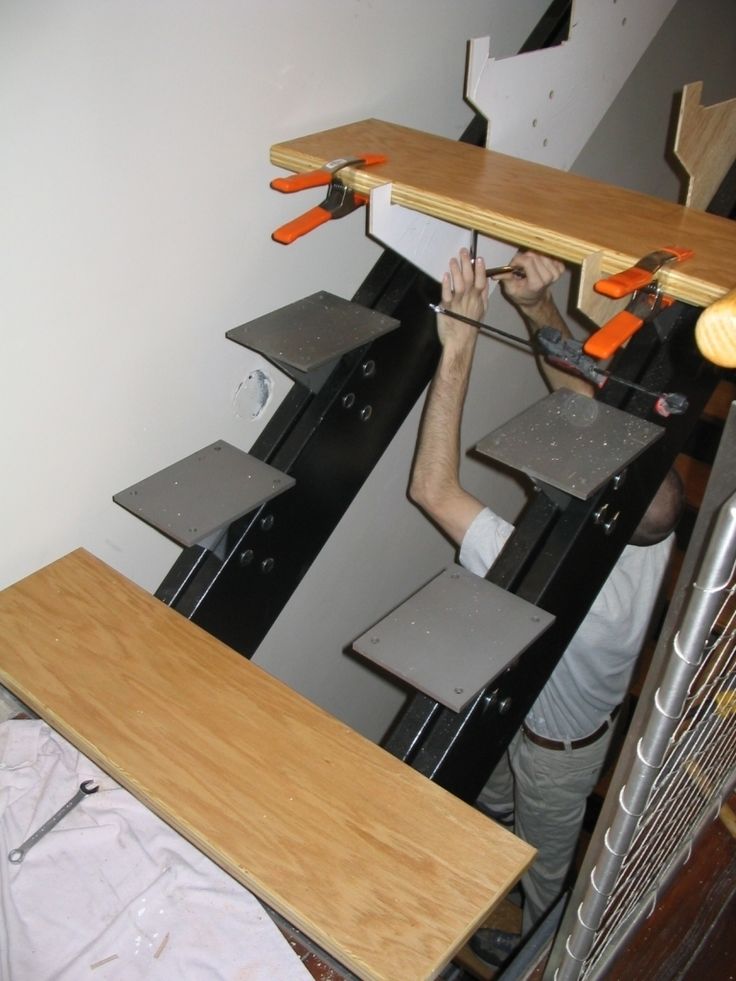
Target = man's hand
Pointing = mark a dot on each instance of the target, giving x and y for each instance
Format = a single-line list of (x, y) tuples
[(464, 291), (533, 299), (528, 292)]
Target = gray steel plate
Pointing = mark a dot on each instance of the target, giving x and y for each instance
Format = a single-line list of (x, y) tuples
[(453, 636), (204, 492), (570, 441), (312, 331)]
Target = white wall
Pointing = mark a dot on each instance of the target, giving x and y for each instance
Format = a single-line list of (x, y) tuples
[(136, 216), (136, 221)]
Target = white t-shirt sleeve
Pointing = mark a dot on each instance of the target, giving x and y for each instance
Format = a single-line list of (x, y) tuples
[(483, 541)]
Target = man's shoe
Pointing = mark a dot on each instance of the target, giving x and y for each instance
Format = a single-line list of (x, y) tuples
[(494, 947)]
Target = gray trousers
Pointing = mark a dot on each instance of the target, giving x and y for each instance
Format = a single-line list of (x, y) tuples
[(547, 790)]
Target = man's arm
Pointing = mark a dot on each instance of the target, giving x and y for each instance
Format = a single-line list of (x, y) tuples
[(435, 484), (532, 298)]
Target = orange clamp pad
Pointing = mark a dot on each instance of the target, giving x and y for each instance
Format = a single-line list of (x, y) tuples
[(630, 280), (293, 230), (323, 175), (606, 341), (370, 159), (624, 283), (298, 182)]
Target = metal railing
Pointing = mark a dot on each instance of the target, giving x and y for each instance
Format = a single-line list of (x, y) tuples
[(683, 767)]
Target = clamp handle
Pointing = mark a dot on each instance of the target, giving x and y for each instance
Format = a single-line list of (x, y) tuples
[(623, 283), (298, 182), (606, 341), (294, 229), (323, 175), (642, 274), (340, 201)]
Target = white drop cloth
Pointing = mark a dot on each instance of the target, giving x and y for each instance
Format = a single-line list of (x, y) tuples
[(112, 893)]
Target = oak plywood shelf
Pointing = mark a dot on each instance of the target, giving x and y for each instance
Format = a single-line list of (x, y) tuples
[(528, 204), (384, 869)]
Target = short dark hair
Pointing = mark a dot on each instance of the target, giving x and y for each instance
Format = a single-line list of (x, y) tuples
[(663, 513)]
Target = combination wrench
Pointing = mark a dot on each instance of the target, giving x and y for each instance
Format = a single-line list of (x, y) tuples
[(85, 789)]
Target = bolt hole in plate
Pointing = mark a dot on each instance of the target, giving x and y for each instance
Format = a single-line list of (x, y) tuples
[(570, 441), (191, 500), (453, 636)]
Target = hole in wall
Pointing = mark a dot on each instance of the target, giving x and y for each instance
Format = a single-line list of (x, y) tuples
[(252, 395)]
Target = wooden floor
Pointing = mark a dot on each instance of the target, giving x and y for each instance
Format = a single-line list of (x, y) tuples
[(691, 935)]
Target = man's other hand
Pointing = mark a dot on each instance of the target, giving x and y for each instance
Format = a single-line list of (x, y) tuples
[(540, 272), (464, 291)]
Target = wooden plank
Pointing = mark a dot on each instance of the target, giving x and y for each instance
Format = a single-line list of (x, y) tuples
[(528, 204), (381, 867)]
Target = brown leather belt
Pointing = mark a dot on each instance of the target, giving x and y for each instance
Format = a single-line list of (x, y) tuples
[(574, 743)]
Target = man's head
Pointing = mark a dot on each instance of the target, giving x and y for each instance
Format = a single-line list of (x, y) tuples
[(663, 513)]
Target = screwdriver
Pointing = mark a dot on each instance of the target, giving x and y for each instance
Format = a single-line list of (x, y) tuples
[(567, 354), (516, 271)]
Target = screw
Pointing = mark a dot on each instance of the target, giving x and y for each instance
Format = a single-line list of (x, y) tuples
[(491, 698), (267, 522), (366, 412), (607, 524), (619, 480), (369, 368), (348, 400), (246, 557), (267, 565)]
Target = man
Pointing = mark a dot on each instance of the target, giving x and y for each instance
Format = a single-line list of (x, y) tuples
[(555, 759)]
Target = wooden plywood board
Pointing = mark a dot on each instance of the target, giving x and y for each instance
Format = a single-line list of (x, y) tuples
[(705, 143), (381, 867), (528, 204)]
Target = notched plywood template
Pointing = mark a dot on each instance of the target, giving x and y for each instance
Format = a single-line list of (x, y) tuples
[(381, 867), (536, 109), (596, 307), (535, 104), (529, 204), (705, 143)]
